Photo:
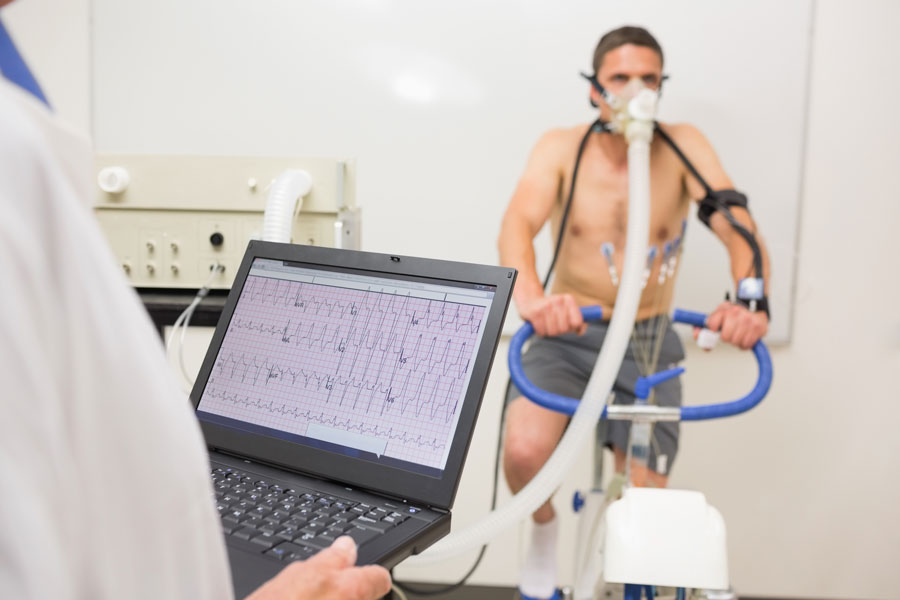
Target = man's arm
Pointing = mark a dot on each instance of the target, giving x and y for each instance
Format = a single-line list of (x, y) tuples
[(528, 210), (737, 325)]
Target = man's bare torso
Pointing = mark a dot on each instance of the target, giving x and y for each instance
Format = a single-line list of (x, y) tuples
[(599, 215)]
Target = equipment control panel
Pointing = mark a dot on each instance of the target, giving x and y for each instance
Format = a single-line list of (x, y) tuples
[(171, 219)]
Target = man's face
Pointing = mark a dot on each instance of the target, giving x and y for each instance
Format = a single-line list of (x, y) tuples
[(623, 64)]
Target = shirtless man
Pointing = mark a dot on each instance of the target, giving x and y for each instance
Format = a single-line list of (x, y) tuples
[(583, 276)]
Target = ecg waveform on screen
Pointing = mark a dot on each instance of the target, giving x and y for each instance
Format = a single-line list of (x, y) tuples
[(371, 363), (415, 393), (437, 351), (333, 421), (284, 293)]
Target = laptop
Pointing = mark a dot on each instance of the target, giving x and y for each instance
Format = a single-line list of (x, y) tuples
[(339, 396)]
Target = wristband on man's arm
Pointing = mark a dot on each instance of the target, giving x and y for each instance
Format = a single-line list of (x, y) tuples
[(760, 305)]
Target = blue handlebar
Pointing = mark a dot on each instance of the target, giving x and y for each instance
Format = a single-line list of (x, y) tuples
[(735, 407), (568, 405), (562, 404)]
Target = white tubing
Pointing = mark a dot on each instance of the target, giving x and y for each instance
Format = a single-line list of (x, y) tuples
[(599, 385), (290, 185), (184, 320)]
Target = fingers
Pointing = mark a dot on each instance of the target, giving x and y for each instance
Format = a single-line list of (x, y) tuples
[(730, 323), (558, 314), (576, 321), (741, 331), (757, 327), (534, 312), (714, 321), (365, 583), (738, 325), (554, 315), (341, 554), (539, 323), (558, 317), (329, 575)]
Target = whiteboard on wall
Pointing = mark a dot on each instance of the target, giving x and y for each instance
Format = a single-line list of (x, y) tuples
[(440, 104)]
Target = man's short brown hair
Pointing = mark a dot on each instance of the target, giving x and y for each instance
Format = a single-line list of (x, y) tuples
[(625, 35)]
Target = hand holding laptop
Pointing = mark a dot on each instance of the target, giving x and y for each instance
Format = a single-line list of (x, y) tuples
[(328, 575)]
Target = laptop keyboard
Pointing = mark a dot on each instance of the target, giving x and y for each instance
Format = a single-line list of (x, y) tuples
[(290, 523)]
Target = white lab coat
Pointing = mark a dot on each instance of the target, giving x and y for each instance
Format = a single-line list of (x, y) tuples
[(104, 480)]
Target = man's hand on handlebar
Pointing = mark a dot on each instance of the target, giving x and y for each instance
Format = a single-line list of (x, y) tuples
[(553, 315), (737, 325)]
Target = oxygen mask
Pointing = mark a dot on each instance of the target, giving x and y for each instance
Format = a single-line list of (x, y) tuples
[(635, 103)]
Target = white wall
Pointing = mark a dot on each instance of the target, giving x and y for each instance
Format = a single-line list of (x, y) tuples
[(807, 483), (54, 37), (440, 103)]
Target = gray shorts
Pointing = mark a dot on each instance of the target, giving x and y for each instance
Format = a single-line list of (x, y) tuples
[(563, 364)]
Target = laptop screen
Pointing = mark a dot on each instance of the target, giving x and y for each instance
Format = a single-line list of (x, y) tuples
[(365, 365)]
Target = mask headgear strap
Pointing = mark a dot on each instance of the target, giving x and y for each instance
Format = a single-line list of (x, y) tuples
[(662, 80), (596, 85)]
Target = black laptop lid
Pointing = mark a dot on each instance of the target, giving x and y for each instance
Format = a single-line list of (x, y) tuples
[(364, 368)]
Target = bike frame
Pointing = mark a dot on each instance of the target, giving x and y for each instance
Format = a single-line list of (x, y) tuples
[(589, 549)]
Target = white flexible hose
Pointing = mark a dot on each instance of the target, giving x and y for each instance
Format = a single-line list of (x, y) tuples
[(281, 203), (184, 320), (599, 385)]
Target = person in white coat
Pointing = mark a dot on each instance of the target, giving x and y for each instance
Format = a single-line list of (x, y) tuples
[(105, 489)]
